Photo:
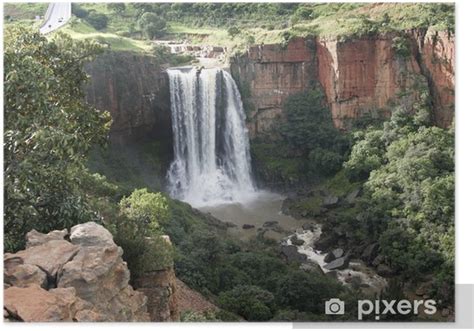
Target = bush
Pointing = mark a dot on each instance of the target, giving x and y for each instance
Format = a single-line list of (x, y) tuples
[(98, 20), (149, 209), (401, 46), (152, 25), (250, 302), (78, 11), (233, 31)]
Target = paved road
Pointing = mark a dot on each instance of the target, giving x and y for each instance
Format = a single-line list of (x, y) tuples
[(57, 15)]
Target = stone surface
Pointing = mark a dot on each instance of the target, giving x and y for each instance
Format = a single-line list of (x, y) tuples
[(384, 270), (291, 253), (161, 290), (135, 90), (248, 226), (91, 234), (35, 304), (370, 252), (360, 76), (50, 256), (35, 238), (24, 275), (330, 201), (340, 263), (87, 281)]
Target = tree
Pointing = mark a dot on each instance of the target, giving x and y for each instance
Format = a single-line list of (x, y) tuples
[(98, 20), (152, 25), (117, 7), (48, 132), (251, 302), (233, 31)]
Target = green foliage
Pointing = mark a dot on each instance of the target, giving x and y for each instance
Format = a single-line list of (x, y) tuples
[(152, 25), (164, 55), (298, 290), (78, 11), (309, 128), (147, 208), (402, 46), (98, 20), (250, 302), (48, 133), (233, 31), (117, 7)]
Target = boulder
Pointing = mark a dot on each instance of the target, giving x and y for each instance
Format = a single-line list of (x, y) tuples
[(308, 226), (296, 241), (379, 259), (269, 224), (50, 257), (340, 263), (324, 243), (384, 270), (334, 254), (91, 234), (291, 253), (24, 275), (35, 238), (248, 226), (35, 304)]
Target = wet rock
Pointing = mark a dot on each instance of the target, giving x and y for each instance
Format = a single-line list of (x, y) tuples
[(308, 226), (325, 243), (291, 253), (248, 226), (296, 241), (370, 252), (340, 263), (332, 274), (35, 238), (334, 254), (384, 270), (313, 267), (91, 234), (24, 275), (269, 224)]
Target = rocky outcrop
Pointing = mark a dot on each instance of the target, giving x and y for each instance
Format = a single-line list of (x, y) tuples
[(162, 292), (84, 279), (134, 88), (358, 76)]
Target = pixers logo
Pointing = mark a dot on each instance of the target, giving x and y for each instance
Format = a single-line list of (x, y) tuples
[(394, 307)]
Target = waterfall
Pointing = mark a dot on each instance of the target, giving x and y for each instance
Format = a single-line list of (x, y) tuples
[(211, 146)]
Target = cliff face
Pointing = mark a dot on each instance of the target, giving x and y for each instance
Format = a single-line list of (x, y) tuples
[(135, 90), (358, 76)]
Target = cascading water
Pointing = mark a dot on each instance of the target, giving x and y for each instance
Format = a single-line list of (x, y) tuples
[(211, 146)]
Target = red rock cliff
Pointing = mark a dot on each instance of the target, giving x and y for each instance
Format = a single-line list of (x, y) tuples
[(357, 76)]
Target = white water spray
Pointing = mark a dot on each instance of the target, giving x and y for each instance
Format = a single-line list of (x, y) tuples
[(211, 147)]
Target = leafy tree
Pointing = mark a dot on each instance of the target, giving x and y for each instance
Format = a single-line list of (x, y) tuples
[(152, 25), (148, 208), (48, 133), (233, 31), (251, 302), (117, 7), (98, 20)]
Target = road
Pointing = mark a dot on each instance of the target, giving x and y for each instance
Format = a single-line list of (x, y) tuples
[(57, 15)]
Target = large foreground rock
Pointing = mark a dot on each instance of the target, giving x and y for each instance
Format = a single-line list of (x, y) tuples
[(86, 280)]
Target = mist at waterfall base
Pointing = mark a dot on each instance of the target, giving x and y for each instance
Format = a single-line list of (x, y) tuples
[(211, 146)]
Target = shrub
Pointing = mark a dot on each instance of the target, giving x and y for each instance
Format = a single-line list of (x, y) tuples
[(233, 31), (152, 25), (401, 46), (251, 302), (78, 11), (98, 20)]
